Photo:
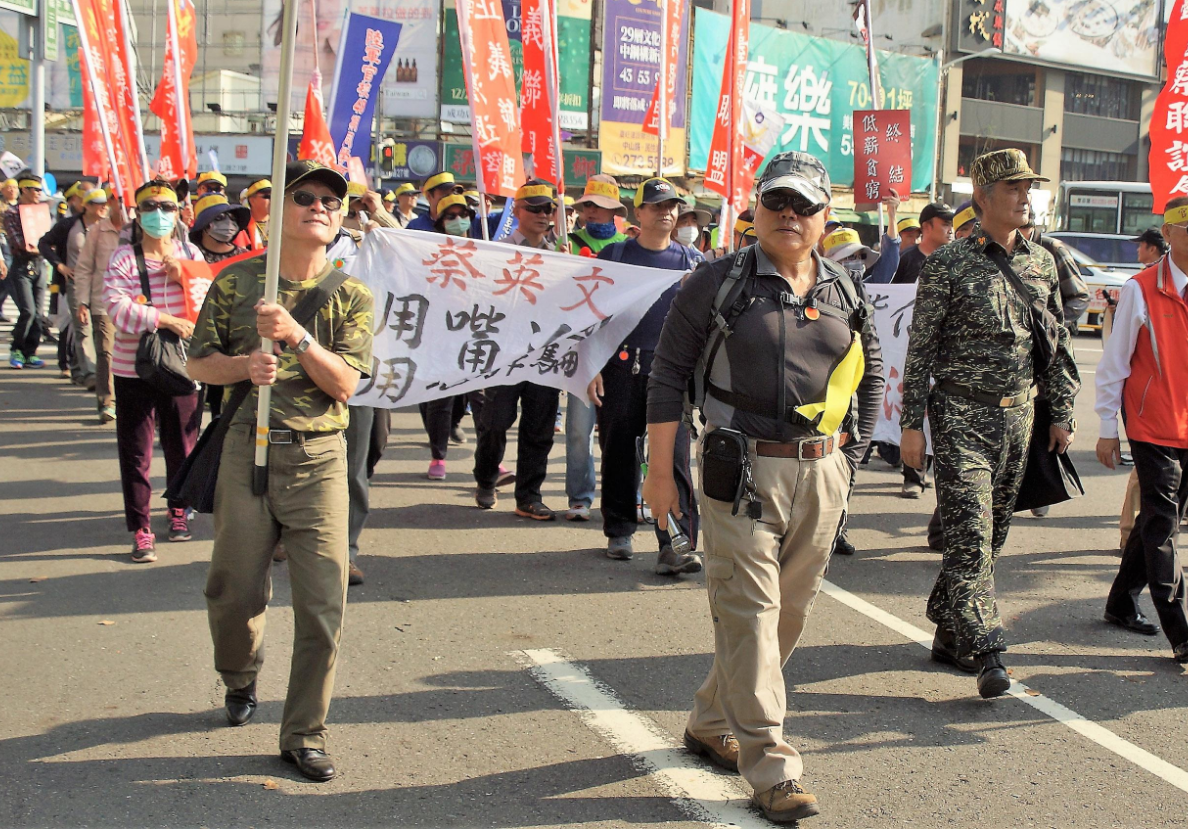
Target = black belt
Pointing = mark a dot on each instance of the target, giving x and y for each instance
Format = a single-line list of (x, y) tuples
[(754, 406), (284, 437), (989, 398)]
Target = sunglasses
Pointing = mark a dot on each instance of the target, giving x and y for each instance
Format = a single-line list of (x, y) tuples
[(264, 194), (210, 187), (540, 209), (780, 200), (153, 206), (304, 198)]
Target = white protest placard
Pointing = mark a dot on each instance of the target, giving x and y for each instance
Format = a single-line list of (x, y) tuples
[(454, 315), (893, 305)]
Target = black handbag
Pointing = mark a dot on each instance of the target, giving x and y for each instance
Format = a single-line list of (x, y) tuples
[(1050, 477), (161, 355), (1045, 328), (194, 483)]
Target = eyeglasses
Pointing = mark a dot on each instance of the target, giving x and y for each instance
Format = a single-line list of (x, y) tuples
[(781, 199), (539, 209), (455, 215), (154, 206), (304, 198)]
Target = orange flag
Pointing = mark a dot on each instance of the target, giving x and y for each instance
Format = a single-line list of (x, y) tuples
[(674, 12), (171, 103), (537, 109), (727, 173), (316, 143)]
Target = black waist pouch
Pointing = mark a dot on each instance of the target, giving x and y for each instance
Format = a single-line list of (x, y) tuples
[(725, 466)]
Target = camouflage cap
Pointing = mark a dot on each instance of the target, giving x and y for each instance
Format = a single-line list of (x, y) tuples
[(800, 172), (1002, 165)]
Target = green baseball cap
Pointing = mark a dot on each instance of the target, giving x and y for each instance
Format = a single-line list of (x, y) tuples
[(1002, 165)]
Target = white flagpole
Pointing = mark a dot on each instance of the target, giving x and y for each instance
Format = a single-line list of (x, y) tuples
[(130, 69), (280, 151), (465, 38), (183, 107), (552, 88)]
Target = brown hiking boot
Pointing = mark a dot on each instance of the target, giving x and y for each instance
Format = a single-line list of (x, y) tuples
[(721, 750), (786, 802)]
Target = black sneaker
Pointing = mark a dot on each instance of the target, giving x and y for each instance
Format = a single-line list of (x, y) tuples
[(179, 524)]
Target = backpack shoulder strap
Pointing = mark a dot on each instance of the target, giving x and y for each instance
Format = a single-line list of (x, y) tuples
[(724, 309), (617, 250)]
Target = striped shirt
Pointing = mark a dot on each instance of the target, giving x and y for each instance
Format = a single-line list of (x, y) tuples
[(131, 315)]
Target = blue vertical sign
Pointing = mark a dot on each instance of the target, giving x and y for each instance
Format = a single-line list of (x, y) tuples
[(364, 52)]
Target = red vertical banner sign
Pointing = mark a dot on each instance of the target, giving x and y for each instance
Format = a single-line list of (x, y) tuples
[(171, 103), (727, 172), (1168, 159), (882, 154), (491, 87), (102, 41), (538, 106), (669, 68), (94, 150)]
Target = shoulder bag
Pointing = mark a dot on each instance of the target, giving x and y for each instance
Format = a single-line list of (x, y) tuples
[(1045, 328), (161, 355), (195, 481)]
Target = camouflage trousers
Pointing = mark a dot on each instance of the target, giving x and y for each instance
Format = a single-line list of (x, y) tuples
[(981, 452)]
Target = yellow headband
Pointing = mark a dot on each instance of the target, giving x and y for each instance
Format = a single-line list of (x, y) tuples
[(1171, 217), (72, 190), (356, 190), (212, 175), (534, 191), (389, 196), (405, 189), (839, 238), (742, 227), (92, 196), (453, 200), (438, 180), (26, 183), (262, 184), (907, 224), (602, 188), (158, 193), (213, 200), (966, 215)]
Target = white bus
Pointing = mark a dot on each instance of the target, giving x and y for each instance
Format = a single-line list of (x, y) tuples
[(1117, 207)]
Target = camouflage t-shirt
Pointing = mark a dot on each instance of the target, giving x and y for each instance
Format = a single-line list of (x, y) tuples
[(227, 324)]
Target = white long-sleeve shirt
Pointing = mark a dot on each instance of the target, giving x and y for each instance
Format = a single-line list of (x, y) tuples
[(1129, 319)]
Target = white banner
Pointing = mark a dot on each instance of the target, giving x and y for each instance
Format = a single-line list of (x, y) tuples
[(893, 306), (454, 315)]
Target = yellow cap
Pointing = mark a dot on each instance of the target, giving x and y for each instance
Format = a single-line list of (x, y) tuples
[(211, 175), (840, 238), (742, 227), (964, 217), (406, 188), (93, 196), (72, 190), (438, 180), (908, 224), (256, 187), (356, 190), (213, 200), (453, 200), (569, 201)]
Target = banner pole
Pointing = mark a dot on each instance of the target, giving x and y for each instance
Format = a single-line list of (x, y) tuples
[(280, 150), (464, 40), (553, 87), (662, 90), (130, 68)]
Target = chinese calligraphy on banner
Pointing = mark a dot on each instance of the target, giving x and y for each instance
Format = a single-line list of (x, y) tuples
[(815, 85), (455, 315), (630, 60), (726, 172), (1169, 122), (893, 305), (882, 154), (171, 102), (363, 57)]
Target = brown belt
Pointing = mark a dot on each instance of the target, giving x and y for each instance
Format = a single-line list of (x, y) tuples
[(805, 450)]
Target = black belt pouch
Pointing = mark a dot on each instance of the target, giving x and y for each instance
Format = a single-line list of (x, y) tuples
[(724, 465)]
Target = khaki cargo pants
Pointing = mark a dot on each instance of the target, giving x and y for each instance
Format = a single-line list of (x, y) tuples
[(305, 507), (761, 588)]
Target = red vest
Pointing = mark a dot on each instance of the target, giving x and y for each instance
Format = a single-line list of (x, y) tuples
[(1155, 397)]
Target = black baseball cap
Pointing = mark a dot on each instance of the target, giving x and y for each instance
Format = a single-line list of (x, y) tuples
[(1153, 238), (937, 210), (655, 191), (299, 171)]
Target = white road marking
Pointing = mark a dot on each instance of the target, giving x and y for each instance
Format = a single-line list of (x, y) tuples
[(702, 794), (1066, 716)]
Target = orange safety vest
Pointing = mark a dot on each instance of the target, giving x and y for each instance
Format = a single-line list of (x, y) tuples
[(1155, 395)]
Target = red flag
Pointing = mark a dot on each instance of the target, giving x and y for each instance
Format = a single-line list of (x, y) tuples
[(101, 31), (316, 143), (727, 173), (94, 152), (537, 107), (491, 87), (171, 103), (668, 72), (1168, 159)]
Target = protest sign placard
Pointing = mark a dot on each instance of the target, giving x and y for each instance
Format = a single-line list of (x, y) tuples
[(35, 222), (454, 315), (893, 305), (882, 155)]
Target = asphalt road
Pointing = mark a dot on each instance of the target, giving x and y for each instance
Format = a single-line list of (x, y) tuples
[(501, 674)]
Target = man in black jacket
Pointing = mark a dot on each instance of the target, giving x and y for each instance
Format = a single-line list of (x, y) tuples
[(796, 387), (55, 247)]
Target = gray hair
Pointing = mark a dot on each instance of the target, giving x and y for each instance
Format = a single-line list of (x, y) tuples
[(985, 191)]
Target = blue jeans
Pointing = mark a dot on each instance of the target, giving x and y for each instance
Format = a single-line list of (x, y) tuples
[(580, 482), (26, 288)]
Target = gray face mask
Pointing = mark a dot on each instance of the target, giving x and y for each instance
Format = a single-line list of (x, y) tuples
[(223, 230)]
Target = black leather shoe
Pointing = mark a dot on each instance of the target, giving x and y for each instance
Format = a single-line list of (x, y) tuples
[(843, 547), (313, 763), (944, 651), (1181, 653), (1137, 623), (241, 704), (992, 676)]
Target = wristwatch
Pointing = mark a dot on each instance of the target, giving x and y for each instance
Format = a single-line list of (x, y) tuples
[(1069, 426), (303, 344)]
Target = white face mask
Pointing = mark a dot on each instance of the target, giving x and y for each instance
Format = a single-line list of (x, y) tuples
[(687, 235)]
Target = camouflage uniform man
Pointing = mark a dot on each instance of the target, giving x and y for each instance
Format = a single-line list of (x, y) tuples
[(313, 373), (971, 333)]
